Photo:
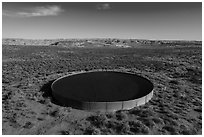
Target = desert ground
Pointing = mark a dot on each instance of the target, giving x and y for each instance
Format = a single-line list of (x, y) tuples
[(29, 67)]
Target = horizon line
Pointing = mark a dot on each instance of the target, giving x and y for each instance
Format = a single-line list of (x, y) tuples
[(104, 38)]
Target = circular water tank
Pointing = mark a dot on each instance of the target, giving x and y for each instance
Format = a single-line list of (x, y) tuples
[(102, 90)]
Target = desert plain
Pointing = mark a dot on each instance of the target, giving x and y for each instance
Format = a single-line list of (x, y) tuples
[(30, 66)]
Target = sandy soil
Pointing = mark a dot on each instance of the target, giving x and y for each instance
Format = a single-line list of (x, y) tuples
[(28, 107)]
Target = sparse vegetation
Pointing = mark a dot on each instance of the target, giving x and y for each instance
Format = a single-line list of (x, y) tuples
[(92, 131), (98, 120), (170, 129), (28, 71), (138, 127)]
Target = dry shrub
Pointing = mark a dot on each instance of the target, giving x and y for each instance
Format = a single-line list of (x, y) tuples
[(174, 82), (148, 122), (141, 112), (54, 112), (28, 125), (110, 115), (121, 115), (92, 131), (138, 127), (118, 126), (98, 120), (157, 120), (198, 109), (170, 129), (65, 132), (169, 121)]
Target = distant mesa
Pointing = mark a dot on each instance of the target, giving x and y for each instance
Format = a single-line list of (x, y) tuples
[(118, 43)]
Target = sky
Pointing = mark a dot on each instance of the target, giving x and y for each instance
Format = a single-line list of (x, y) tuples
[(126, 20)]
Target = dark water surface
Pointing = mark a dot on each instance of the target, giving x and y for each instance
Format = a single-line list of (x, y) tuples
[(102, 86)]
